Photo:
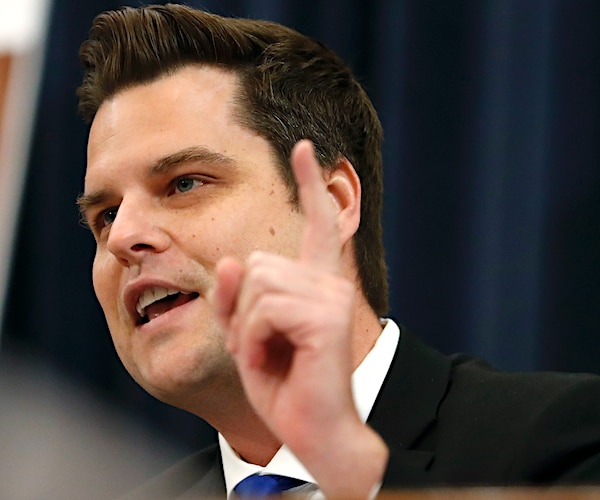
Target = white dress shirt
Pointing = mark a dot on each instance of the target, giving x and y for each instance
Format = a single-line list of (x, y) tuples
[(367, 380)]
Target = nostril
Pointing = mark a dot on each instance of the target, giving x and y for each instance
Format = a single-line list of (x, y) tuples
[(141, 246)]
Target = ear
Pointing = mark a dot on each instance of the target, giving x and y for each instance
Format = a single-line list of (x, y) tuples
[(343, 185)]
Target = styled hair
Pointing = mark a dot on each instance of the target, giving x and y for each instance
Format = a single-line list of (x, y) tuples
[(291, 87)]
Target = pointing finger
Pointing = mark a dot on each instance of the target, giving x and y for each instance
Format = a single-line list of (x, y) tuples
[(321, 244)]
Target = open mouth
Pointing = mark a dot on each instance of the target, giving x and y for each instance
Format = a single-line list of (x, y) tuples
[(156, 301)]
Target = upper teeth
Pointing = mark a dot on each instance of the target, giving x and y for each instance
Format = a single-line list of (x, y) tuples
[(152, 295)]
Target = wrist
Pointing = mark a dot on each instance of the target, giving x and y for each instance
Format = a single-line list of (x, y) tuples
[(351, 463)]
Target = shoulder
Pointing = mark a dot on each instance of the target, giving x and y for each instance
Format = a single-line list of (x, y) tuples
[(475, 383), (465, 422), (198, 474), (545, 425)]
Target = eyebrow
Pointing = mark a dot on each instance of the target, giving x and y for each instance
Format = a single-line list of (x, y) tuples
[(192, 154), (161, 166)]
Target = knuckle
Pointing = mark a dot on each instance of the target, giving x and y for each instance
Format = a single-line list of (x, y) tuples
[(265, 306), (258, 276)]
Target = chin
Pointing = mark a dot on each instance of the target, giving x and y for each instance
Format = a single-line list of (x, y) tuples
[(179, 375)]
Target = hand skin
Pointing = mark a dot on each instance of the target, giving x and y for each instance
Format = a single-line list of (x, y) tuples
[(289, 326)]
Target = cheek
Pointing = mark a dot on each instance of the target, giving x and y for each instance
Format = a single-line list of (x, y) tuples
[(271, 227), (104, 282), (222, 232)]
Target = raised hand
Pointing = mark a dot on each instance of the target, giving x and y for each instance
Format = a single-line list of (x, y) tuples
[(289, 327)]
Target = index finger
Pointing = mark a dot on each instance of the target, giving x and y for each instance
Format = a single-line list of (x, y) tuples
[(321, 244)]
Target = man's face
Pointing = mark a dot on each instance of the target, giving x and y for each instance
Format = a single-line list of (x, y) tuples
[(173, 184)]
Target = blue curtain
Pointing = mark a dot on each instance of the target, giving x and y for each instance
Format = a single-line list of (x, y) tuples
[(491, 111)]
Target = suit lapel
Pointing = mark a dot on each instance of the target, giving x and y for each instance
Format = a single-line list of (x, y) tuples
[(408, 402)]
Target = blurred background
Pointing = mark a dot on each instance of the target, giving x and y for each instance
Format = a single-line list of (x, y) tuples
[(491, 112)]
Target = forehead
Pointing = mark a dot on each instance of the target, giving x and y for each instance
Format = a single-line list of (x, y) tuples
[(192, 107)]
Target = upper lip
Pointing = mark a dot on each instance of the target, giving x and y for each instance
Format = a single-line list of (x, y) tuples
[(134, 290)]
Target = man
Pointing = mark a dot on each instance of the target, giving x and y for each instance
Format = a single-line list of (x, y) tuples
[(241, 272)]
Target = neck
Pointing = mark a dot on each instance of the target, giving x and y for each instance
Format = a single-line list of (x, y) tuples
[(367, 329), (253, 441), (231, 414)]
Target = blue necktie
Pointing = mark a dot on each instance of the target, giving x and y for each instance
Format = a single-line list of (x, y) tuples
[(269, 485)]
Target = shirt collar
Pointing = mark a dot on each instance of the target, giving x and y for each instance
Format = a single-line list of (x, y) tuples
[(367, 380)]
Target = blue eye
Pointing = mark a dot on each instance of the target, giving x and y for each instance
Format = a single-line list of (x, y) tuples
[(108, 216), (187, 184)]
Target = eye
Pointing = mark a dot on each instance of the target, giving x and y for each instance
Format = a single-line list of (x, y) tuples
[(184, 184), (107, 217)]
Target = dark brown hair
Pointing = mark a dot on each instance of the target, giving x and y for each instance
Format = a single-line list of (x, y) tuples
[(291, 87)]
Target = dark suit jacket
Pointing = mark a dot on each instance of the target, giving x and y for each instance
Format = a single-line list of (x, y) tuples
[(456, 422)]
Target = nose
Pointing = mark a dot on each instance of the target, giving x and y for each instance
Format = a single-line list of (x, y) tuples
[(135, 233)]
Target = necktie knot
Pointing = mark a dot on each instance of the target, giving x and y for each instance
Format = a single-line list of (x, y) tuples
[(268, 485)]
